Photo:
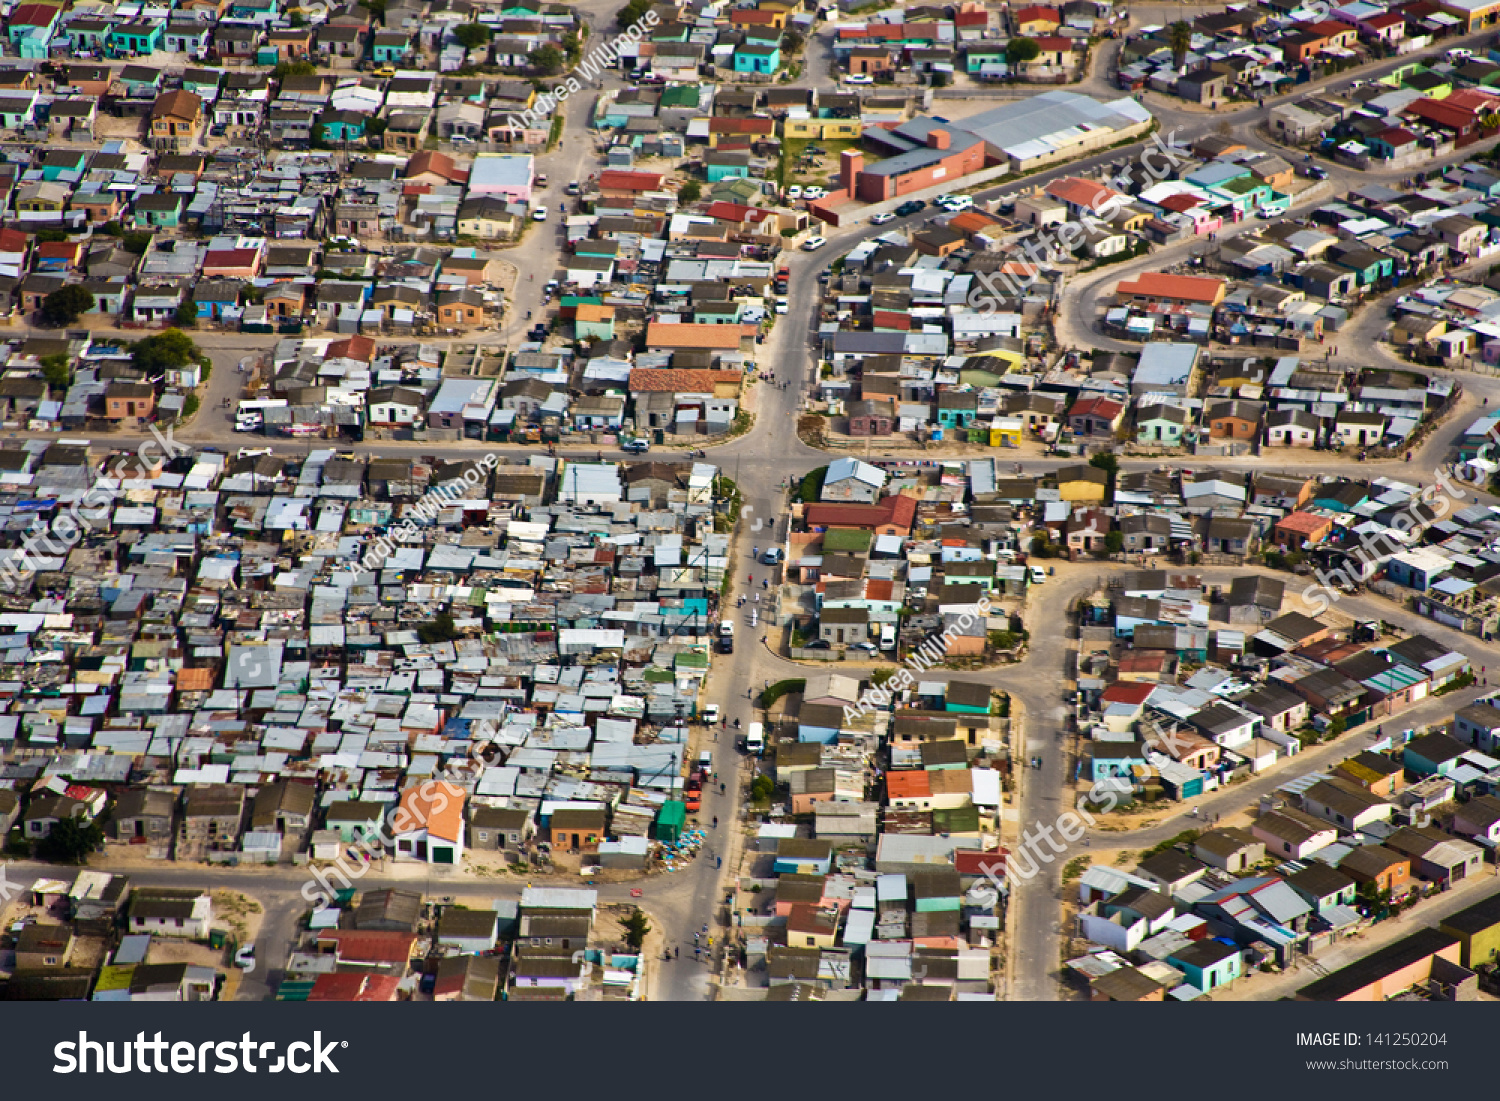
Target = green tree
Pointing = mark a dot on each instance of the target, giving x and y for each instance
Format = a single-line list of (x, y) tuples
[(546, 59), (186, 315), (471, 35), (1180, 39), (1018, 51), (1337, 727), (636, 928), (137, 242), (190, 406), (165, 351), (691, 192), (56, 372), (438, 629), (63, 305), (761, 789), (1114, 542), (294, 68), (881, 675), (70, 841), (51, 236), (632, 13)]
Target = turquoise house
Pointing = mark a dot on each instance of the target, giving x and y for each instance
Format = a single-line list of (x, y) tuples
[(753, 57), (29, 18), (726, 166), (144, 36), (33, 43), (979, 58), (1208, 964), (62, 162), (1108, 760), (340, 126), (1160, 424), (1370, 266), (204, 85), (1432, 755), (1245, 193), (391, 46)]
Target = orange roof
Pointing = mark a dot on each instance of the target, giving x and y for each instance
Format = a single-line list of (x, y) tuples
[(1303, 523), (429, 160), (434, 805), (1185, 288), (879, 588), (618, 180), (1053, 44), (721, 125), (908, 784), (691, 335), (1084, 193), (195, 680), (592, 311), (360, 348)]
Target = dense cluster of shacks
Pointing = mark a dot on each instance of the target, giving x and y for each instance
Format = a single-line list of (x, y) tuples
[(97, 936), (235, 659), (894, 889), (1173, 706), (1252, 50)]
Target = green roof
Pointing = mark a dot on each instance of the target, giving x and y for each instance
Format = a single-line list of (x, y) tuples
[(295, 990), (114, 976), (691, 659), (680, 95), (847, 540), (658, 676), (673, 813)]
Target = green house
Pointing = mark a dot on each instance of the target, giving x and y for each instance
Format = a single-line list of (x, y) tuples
[(143, 36), (671, 820)]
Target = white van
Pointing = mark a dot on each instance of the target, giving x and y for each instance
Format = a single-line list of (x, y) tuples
[(755, 739), (1038, 575), (887, 636)]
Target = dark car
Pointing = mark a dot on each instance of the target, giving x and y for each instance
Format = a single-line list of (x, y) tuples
[(819, 644), (726, 644), (914, 206)]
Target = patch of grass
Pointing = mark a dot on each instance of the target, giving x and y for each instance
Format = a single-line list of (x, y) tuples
[(1075, 868)]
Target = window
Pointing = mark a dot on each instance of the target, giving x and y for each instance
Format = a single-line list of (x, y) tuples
[(179, 923)]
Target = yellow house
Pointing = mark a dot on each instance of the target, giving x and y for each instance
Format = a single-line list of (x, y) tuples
[(811, 926), (823, 129), (1006, 432), (1082, 483), (1129, 219)]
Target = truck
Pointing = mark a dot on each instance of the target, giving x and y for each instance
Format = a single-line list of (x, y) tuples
[(693, 795), (755, 739), (250, 416), (783, 278)]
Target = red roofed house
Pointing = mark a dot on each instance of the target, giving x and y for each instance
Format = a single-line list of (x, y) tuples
[(1154, 288), (681, 399), (1096, 416), (432, 167), (1196, 209), (1394, 141), (1303, 527), (720, 128), (232, 263), (1081, 196), (755, 17), (14, 246), (1461, 122), (687, 336), (1387, 27), (617, 184), (350, 986), (889, 516), (367, 946), (1036, 20), (1338, 35)]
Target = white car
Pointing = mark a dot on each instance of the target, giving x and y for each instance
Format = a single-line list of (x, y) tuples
[(882, 219), (252, 452), (953, 204), (814, 193), (813, 244), (793, 192), (859, 78), (781, 305), (711, 714), (539, 214)]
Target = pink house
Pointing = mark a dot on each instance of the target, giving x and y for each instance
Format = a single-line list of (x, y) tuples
[(1386, 27), (232, 263)]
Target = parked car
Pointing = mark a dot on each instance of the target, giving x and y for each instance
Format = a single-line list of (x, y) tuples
[(794, 192), (573, 188), (882, 219), (711, 714), (859, 78), (818, 644), (635, 447), (813, 244), (868, 647), (911, 206), (539, 214), (771, 556), (814, 193)]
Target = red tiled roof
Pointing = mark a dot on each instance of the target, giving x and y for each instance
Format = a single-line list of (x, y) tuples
[(1053, 43), (346, 986), (1187, 288), (1128, 692), (1382, 21), (897, 511), (879, 588), (1303, 523), (617, 180), (1036, 11), (677, 380), (721, 125), (13, 240), (975, 862), (33, 15), (892, 319), (661, 334), (1443, 113), (1106, 408), (1396, 136), (359, 348), (728, 212), (370, 945), (972, 19), (1086, 193), (231, 258), (1180, 203)]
